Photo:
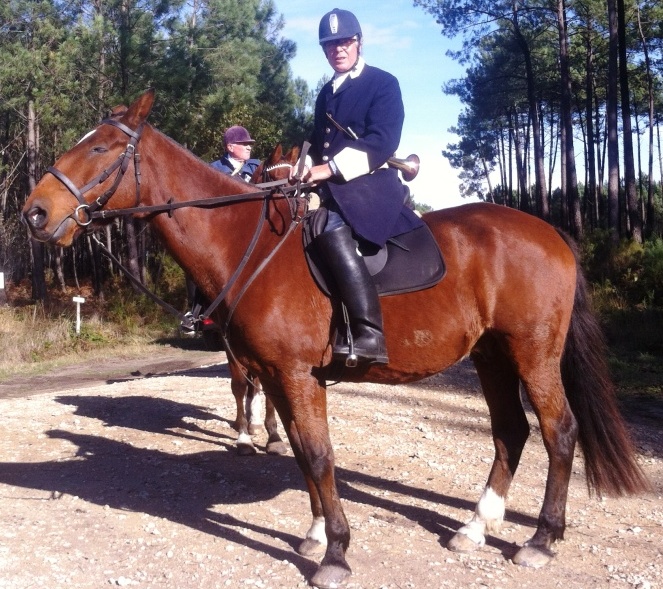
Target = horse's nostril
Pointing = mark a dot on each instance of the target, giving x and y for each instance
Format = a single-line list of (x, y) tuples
[(36, 217)]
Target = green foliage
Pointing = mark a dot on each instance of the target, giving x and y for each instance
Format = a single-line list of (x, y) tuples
[(213, 63), (627, 274)]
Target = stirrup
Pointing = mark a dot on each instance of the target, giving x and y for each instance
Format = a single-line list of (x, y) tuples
[(347, 354)]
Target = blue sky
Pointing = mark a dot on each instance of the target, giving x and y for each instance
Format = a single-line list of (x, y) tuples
[(407, 42)]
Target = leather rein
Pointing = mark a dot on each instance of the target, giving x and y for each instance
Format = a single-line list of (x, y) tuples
[(94, 210)]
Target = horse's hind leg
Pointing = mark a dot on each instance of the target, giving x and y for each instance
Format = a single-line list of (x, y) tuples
[(500, 384), (559, 430)]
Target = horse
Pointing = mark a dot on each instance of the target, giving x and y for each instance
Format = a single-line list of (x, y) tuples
[(514, 299)]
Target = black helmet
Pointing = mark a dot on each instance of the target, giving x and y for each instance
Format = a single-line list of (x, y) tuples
[(338, 24)]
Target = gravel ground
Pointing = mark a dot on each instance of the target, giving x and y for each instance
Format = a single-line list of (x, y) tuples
[(132, 481)]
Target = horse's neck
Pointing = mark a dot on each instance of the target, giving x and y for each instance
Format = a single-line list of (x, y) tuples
[(204, 241)]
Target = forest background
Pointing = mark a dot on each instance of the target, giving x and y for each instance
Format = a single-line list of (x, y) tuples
[(545, 80)]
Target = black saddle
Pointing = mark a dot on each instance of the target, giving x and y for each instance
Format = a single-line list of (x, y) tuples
[(407, 263)]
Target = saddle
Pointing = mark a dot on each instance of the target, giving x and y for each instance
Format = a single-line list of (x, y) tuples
[(407, 263)]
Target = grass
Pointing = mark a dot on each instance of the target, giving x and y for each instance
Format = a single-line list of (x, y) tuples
[(35, 338)]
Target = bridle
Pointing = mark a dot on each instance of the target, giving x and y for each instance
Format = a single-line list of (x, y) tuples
[(268, 169), (120, 164)]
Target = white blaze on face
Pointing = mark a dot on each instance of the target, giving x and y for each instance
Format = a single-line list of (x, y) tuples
[(86, 136)]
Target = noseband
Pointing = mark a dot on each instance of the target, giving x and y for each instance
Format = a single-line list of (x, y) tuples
[(120, 164)]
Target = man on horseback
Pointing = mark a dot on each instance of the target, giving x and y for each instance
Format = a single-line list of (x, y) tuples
[(357, 128)]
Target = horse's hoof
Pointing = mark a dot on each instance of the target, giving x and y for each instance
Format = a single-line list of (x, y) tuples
[(331, 576), (311, 547), (278, 448), (462, 543), (255, 429), (530, 556), (245, 450)]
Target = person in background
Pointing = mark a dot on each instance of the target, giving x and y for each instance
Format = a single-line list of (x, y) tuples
[(236, 161), (357, 127)]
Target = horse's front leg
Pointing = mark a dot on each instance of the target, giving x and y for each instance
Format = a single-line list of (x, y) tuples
[(304, 415)]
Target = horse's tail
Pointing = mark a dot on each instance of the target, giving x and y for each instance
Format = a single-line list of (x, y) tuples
[(610, 463)]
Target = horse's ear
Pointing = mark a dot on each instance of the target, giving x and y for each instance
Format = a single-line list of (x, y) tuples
[(277, 154), (118, 112), (293, 155), (140, 109)]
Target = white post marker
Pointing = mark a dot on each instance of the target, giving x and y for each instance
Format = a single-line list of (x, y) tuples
[(3, 294), (78, 301)]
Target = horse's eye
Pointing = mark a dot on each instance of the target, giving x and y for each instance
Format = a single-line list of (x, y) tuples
[(99, 149)]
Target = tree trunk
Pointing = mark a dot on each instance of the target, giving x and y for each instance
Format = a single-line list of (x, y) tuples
[(649, 215), (564, 179), (611, 117), (38, 276), (592, 193), (132, 249), (575, 217), (59, 272), (540, 187), (520, 170), (635, 221)]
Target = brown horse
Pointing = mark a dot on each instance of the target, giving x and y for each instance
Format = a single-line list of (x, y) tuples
[(513, 299)]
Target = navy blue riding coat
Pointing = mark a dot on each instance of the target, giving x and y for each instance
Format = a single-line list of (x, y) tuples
[(246, 172), (372, 107)]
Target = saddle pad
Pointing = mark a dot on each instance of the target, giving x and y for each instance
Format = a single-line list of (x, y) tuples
[(409, 262)]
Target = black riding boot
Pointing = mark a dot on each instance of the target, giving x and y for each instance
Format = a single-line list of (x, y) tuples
[(358, 292)]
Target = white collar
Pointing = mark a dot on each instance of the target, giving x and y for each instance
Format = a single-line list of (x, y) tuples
[(353, 73), (237, 164)]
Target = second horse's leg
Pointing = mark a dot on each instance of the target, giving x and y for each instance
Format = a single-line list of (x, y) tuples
[(240, 389), (275, 444)]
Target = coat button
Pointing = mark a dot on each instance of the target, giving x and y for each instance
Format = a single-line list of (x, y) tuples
[(326, 144), (327, 130), (325, 158)]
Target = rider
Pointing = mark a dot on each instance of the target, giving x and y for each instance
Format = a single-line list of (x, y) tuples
[(236, 161), (358, 121)]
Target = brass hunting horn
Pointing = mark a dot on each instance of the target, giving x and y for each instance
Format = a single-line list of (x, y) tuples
[(409, 166)]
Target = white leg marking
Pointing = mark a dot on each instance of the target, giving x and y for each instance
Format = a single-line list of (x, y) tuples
[(489, 513), (317, 531), (254, 410), (491, 507), (244, 440)]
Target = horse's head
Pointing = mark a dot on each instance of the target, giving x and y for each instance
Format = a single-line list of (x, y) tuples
[(90, 176), (277, 166)]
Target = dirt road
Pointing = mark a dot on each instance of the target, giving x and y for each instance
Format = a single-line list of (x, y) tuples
[(127, 476)]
